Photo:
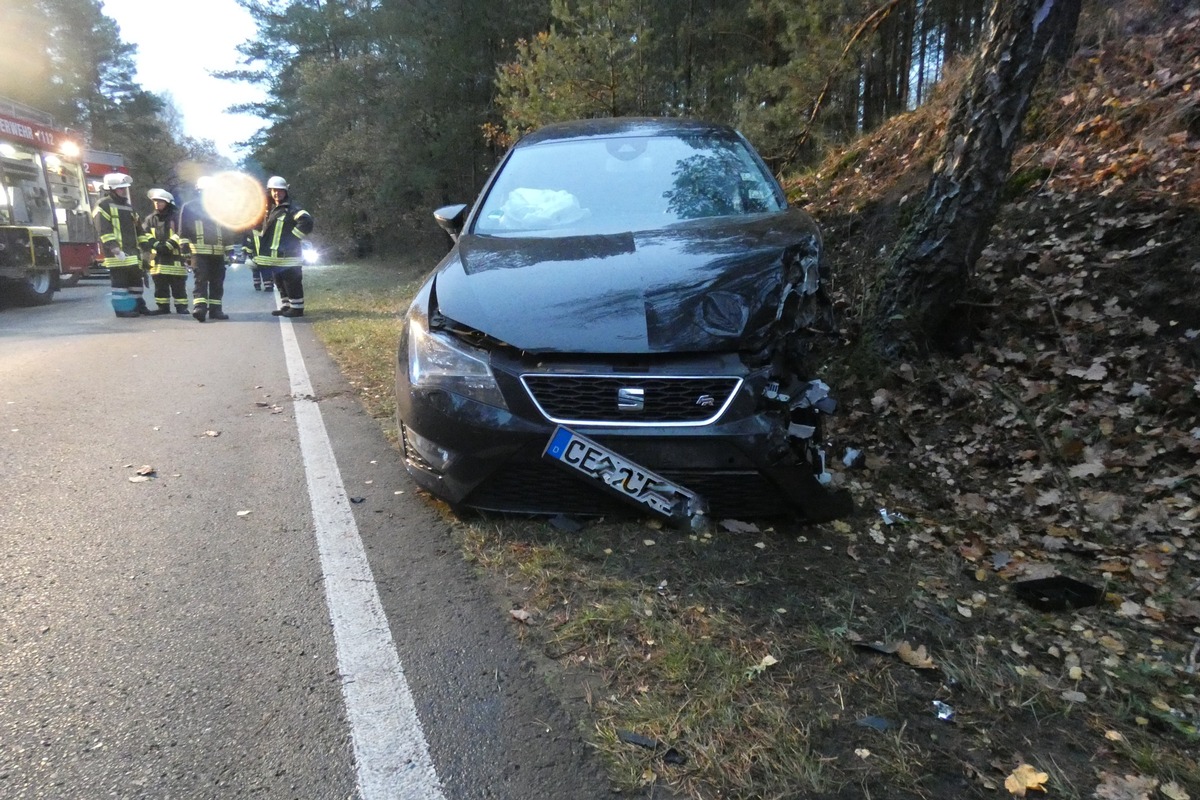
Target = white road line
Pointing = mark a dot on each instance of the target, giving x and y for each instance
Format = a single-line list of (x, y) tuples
[(389, 746)]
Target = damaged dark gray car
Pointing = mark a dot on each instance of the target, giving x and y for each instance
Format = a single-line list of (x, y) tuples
[(623, 318)]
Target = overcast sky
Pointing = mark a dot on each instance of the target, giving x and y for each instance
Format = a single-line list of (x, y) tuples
[(179, 42)]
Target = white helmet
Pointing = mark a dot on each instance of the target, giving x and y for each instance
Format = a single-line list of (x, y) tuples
[(117, 180), (161, 194), (203, 182), (277, 182)]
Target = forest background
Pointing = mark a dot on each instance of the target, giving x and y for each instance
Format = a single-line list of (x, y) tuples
[(380, 111)]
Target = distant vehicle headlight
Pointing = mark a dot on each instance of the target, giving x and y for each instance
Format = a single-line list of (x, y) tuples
[(436, 360)]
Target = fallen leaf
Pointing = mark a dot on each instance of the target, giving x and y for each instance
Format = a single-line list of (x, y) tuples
[(1174, 791), (1050, 498), (243, 513), (767, 661), (1024, 778), (212, 434), (972, 548), (1130, 609), (737, 526), (1088, 470), (1128, 787), (521, 615), (918, 658), (1096, 372), (1074, 697)]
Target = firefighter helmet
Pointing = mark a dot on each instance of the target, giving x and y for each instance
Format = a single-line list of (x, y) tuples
[(117, 180), (161, 194), (277, 182)]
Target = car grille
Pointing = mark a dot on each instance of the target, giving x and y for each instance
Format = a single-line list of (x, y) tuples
[(593, 399), (534, 488)]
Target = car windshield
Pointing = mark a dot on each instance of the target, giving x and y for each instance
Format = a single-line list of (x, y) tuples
[(629, 183)]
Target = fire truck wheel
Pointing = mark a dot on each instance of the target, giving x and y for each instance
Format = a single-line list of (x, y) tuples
[(39, 288)]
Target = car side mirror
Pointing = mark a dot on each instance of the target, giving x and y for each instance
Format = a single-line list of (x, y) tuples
[(451, 219)]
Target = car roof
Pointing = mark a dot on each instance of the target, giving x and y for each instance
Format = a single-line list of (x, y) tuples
[(622, 126)]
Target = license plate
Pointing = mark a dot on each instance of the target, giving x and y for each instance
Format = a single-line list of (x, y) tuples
[(621, 476)]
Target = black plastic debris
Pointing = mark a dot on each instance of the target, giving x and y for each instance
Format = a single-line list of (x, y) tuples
[(876, 723), (629, 737), (669, 756), (673, 756), (1057, 593), (888, 648), (358, 499)]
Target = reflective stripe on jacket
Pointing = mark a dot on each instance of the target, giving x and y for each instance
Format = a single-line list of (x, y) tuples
[(201, 233), (278, 243), (166, 248)]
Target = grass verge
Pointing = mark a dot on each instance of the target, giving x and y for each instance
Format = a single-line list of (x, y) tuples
[(789, 661)]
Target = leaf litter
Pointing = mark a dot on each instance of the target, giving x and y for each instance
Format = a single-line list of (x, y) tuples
[(1062, 443)]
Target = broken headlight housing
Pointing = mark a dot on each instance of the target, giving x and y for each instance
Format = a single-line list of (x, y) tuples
[(439, 361)]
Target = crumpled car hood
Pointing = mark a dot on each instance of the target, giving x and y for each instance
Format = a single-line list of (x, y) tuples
[(704, 286)]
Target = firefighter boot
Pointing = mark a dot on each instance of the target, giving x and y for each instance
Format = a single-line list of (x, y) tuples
[(293, 312), (163, 308), (200, 312), (142, 308), (181, 308), (217, 313)]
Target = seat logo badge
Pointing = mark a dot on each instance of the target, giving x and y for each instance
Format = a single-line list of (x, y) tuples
[(631, 399), (706, 401)]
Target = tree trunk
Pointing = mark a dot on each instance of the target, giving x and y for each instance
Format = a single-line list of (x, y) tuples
[(928, 273)]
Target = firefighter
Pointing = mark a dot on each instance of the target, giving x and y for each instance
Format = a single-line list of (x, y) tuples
[(121, 241), (278, 245), (207, 242), (167, 269), (263, 277)]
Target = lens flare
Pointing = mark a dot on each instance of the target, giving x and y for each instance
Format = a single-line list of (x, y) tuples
[(235, 200)]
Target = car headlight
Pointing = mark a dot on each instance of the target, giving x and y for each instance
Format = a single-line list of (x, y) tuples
[(436, 360)]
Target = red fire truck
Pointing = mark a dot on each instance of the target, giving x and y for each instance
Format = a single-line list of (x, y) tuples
[(46, 228)]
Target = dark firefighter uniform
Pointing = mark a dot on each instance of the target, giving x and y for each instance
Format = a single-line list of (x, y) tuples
[(278, 245), (167, 270), (121, 243), (207, 242)]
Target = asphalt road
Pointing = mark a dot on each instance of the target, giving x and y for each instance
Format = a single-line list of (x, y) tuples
[(180, 637)]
